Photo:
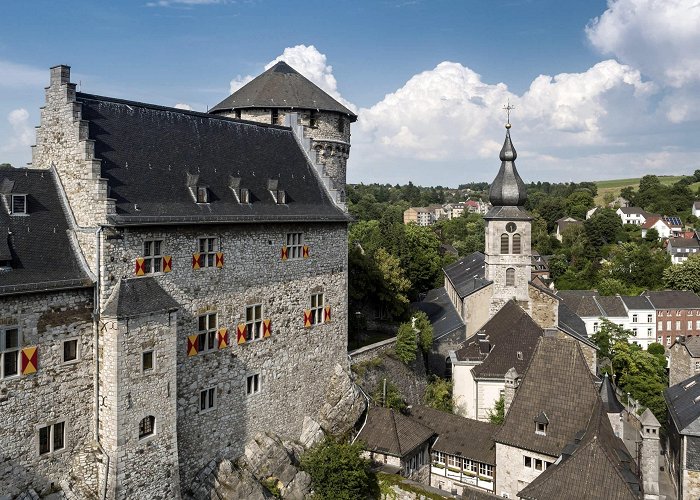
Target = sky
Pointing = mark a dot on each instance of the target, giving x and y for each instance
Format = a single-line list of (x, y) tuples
[(600, 90)]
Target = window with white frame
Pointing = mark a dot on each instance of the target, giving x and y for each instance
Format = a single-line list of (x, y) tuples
[(253, 384), (438, 457), (538, 464), (690, 325), (208, 247), (697, 324), (668, 326), (634, 318), (147, 361), (253, 322), (634, 332), (152, 256), (295, 245), (650, 318), (527, 461), (70, 351), (485, 470), (206, 331), (668, 340), (147, 426), (317, 303), (678, 325), (660, 326), (9, 351), (19, 204), (660, 339), (207, 399), (649, 332), (595, 327), (52, 438)]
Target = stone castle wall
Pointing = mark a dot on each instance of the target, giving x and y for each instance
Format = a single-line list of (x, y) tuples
[(57, 392)]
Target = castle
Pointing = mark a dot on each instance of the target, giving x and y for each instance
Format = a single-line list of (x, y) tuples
[(171, 283)]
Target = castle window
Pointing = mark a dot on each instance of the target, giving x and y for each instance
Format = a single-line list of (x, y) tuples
[(70, 350), (516, 243), (202, 194), (313, 119), (207, 250), (341, 124), (528, 462), (253, 384), (281, 197), (147, 359), (152, 256), (244, 195), (274, 116), (510, 277), (253, 321), (504, 243), (147, 426), (238, 113), (9, 352), (207, 399), (52, 438), (317, 303), (19, 204), (207, 332), (295, 244)]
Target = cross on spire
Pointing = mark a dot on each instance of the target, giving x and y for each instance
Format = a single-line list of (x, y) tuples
[(508, 107)]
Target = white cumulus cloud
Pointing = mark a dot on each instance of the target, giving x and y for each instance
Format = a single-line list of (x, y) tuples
[(659, 37), (184, 106), (23, 134)]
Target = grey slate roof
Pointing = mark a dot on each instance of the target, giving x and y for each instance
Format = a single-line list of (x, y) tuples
[(143, 146), (137, 296), (683, 243), (467, 274), (388, 431), (692, 344), (636, 302), (558, 382), (683, 400), (611, 305), (441, 312), (572, 324), (673, 299), (40, 251), (588, 303), (509, 332), (508, 189), (508, 213), (607, 394), (281, 86), (457, 435)]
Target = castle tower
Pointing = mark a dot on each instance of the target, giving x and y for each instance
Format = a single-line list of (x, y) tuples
[(508, 234), (282, 91)]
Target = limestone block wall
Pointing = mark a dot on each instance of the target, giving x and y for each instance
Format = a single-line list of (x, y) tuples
[(497, 263), (145, 467), (57, 392), (476, 309), (691, 483), (544, 308), (292, 363), (513, 475), (682, 365)]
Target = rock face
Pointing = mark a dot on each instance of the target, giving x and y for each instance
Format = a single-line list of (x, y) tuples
[(344, 404)]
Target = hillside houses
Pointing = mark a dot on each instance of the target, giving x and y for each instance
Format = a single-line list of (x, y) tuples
[(427, 216)]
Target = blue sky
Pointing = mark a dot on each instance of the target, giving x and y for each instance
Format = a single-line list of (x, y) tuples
[(601, 90)]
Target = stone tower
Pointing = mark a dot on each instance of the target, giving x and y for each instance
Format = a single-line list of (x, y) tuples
[(508, 234), (281, 93), (649, 459)]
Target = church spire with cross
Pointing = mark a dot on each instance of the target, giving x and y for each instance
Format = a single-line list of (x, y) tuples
[(508, 189)]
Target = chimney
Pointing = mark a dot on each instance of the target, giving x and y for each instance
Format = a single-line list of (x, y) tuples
[(60, 74), (512, 382)]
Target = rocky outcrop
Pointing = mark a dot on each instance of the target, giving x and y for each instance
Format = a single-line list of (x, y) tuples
[(344, 404)]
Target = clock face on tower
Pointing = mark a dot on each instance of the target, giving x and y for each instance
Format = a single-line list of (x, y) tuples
[(511, 227)]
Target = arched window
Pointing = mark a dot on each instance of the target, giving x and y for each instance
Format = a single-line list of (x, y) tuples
[(147, 426), (510, 277), (504, 243), (516, 243)]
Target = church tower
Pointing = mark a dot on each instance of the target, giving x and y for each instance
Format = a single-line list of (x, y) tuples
[(508, 234)]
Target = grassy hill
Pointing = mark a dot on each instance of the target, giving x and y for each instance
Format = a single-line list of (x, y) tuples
[(615, 185)]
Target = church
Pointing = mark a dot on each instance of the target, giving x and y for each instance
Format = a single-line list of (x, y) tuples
[(172, 283)]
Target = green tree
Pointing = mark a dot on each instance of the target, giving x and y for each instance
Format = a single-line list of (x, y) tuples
[(406, 344), (684, 276), (637, 265), (392, 293), (652, 235), (612, 286), (498, 414), (656, 349), (438, 394), (607, 338), (338, 471), (420, 258), (603, 227), (393, 397), (425, 331)]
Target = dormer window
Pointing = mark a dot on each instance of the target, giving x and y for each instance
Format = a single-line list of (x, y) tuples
[(19, 204), (541, 429), (281, 197), (243, 195), (541, 423), (202, 194)]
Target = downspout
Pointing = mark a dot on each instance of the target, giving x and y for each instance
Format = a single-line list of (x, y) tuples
[(366, 413)]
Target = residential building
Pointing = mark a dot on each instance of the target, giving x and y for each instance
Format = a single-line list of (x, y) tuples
[(564, 223), (684, 359), (590, 212), (677, 313), (681, 248), (641, 319), (683, 441), (632, 215), (166, 270), (540, 267), (423, 216), (591, 307), (667, 227), (696, 209)]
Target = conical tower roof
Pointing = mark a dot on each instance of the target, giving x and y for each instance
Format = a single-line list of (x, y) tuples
[(281, 86), (508, 189)]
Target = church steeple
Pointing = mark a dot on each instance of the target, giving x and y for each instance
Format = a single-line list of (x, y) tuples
[(508, 189)]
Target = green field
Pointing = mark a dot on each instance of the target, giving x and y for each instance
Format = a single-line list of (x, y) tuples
[(615, 185)]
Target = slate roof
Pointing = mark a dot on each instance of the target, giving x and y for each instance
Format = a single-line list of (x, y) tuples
[(508, 212), (607, 395), (510, 331), (441, 312), (508, 189), (142, 146), (467, 274), (137, 296), (683, 400), (565, 222), (611, 305), (692, 344), (38, 244), (683, 243), (636, 302), (281, 86), (558, 382), (673, 299), (572, 324), (457, 435), (634, 210), (581, 302), (391, 433), (598, 467)]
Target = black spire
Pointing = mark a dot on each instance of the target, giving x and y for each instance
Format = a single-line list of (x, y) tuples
[(508, 189)]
